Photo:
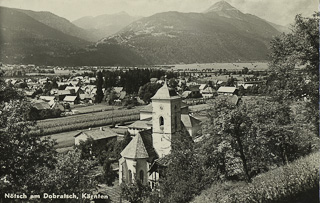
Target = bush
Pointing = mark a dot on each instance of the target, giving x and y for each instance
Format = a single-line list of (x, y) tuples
[(297, 181)]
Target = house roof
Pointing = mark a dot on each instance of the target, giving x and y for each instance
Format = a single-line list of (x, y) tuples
[(98, 134), (208, 90), (118, 89), (72, 88), (227, 89), (86, 96), (189, 121), (141, 124), (185, 94), (166, 93), (122, 94), (63, 92), (140, 147), (47, 98), (70, 98), (202, 86), (41, 105), (147, 108), (194, 88)]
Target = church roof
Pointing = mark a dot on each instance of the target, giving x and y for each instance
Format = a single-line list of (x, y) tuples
[(165, 93), (140, 147)]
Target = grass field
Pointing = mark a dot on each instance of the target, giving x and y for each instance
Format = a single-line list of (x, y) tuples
[(83, 121)]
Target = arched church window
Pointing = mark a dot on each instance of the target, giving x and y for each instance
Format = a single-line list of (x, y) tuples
[(161, 121), (130, 176), (141, 176)]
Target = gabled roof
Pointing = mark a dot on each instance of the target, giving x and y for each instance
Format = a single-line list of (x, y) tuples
[(63, 92), (47, 98), (147, 108), (189, 121), (141, 124), (208, 90), (140, 147), (70, 98), (166, 93), (202, 86), (227, 89), (41, 105), (98, 134), (72, 88)]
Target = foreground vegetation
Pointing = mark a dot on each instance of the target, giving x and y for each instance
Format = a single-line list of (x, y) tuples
[(295, 182)]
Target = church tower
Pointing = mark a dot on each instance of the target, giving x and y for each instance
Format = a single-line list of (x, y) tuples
[(166, 119)]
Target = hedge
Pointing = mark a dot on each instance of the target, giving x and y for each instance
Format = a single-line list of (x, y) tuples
[(295, 182)]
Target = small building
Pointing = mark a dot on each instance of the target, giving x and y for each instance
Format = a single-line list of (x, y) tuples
[(140, 125), (208, 92), (227, 90), (100, 136), (72, 99), (202, 87)]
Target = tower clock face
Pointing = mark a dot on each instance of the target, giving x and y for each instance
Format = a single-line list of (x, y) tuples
[(161, 107)]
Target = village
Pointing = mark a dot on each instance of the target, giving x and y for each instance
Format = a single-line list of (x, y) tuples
[(65, 104)]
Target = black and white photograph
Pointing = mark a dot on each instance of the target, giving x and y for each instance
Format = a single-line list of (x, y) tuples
[(159, 101)]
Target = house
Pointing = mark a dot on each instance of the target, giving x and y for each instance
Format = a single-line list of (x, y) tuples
[(167, 120), (61, 94), (87, 98), (227, 90), (100, 136), (208, 92), (75, 90), (233, 99), (41, 105), (140, 125), (186, 94), (202, 87), (195, 91), (72, 99), (47, 98)]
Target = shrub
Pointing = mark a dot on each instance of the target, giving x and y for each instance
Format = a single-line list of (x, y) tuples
[(297, 181)]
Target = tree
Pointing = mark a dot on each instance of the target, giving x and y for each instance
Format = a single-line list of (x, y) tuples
[(172, 83), (184, 176), (249, 139), (136, 192), (298, 48), (148, 90), (21, 152), (99, 95), (71, 174)]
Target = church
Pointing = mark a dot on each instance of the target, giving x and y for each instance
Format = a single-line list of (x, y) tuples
[(163, 120)]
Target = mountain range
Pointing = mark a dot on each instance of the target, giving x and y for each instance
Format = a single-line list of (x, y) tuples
[(105, 25), (221, 33)]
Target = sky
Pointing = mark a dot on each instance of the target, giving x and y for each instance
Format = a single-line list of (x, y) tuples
[(281, 12)]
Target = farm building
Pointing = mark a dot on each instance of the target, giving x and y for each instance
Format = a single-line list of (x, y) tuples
[(227, 90), (100, 136)]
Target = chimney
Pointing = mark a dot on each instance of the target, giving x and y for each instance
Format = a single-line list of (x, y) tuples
[(89, 128), (101, 128)]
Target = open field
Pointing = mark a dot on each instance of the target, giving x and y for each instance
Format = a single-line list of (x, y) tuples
[(83, 121), (94, 108)]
